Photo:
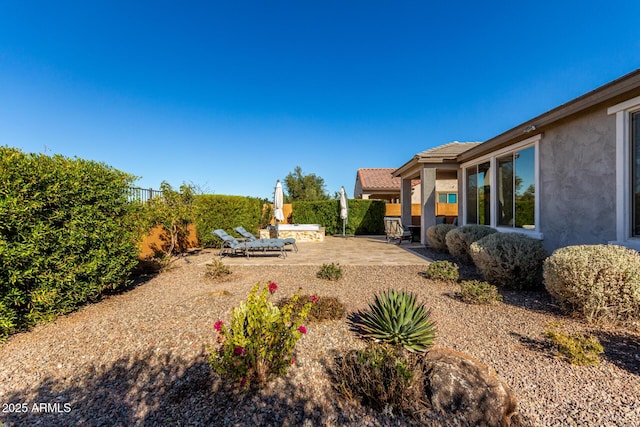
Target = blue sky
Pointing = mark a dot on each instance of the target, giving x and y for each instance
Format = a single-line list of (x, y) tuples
[(231, 96)]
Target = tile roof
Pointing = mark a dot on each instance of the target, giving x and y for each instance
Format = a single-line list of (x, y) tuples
[(446, 151), (380, 179)]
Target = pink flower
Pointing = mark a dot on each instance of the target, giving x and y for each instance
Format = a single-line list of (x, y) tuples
[(293, 361), (302, 329), (218, 325), (238, 351), (243, 381), (314, 299), (272, 287)]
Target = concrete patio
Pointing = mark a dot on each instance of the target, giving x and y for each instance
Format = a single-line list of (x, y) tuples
[(359, 250)]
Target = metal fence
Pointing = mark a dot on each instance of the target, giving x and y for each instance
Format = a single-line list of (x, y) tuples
[(137, 194)]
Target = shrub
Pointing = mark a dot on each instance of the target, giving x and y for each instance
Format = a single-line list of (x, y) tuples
[(577, 349), (396, 318), (67, 233), (173, 211), (381, 376), (324, 308), (365, 216), (330, 272), (511, 260), (260, 340), (602, 282), (476, 292), (460, 238), (443, 270), (226, 212), (216, 269), (436, 236)]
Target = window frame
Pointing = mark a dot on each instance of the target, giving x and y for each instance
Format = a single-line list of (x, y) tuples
[(492, 157), (623, 112)]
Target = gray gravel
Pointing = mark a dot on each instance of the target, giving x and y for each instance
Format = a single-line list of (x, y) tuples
[(138, 358)]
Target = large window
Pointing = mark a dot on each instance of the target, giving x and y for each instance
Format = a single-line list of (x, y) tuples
[(516, 189), (511, 203)]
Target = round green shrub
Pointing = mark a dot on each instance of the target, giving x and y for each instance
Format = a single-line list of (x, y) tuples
[(510, 260), (459, 239), (476, 292), (443, 270), (436, 236), (602, 282)]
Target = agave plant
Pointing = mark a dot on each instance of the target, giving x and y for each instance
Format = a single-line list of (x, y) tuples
[(395, 317)]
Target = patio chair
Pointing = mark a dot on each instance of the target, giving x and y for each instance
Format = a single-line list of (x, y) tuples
[(250, 237), (231, 245), (394, 230)]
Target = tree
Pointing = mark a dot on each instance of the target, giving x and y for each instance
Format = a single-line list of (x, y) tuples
[(301, 187)]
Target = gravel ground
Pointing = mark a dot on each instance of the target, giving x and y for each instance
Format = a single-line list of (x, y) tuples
[(138, 357)]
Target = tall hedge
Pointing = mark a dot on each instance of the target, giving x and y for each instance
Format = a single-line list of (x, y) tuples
[(227, 212), (67, 232), (365, 216)]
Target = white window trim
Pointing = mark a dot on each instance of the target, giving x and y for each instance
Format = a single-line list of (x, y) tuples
[(492, 158), (623, 113)]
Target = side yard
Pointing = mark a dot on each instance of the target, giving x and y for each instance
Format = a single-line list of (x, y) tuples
[(139, 357)]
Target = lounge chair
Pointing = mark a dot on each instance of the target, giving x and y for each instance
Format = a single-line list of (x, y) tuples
[(394, 230), (251, 238), (231, 245)]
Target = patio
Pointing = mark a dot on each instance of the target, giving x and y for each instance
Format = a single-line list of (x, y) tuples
[(360, 250)]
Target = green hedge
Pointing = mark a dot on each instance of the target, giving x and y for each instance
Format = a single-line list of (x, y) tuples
[(227, 212), (365, 216), (67, 232)]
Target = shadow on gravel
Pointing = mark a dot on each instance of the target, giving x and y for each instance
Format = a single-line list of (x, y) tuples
[(154, 389), (622, 349)]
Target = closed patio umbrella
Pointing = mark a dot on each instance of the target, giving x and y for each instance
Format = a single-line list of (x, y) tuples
[(344, 209), (278, 200)]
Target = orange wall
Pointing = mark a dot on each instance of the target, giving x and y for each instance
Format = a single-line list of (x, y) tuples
[(157, 238)]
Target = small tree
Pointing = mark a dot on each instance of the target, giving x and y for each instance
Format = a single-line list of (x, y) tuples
[(173, 211), (301, 187)]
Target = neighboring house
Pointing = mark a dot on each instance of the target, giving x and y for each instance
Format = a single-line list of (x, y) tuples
[(379, 184), (569, 176)]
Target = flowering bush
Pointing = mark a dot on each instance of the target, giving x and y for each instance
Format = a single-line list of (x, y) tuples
[(260, 340)]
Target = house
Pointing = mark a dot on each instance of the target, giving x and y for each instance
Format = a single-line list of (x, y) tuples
[(379, 184), (568, 176)]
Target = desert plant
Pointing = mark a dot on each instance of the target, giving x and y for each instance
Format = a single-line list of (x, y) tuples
[(216, 269), (510, 260), (330, 272), (260, 340), (476, 292), (460, 238), (381, 376), (602, 282), (324, 308), (396, 318), (576, 348), (436, 236), (443, 270)]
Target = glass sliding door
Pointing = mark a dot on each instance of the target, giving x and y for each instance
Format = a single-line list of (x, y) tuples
[(484, 193)]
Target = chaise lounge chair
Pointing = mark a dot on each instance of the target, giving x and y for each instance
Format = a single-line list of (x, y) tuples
[(251, 238), (231, 245), (394, 230)]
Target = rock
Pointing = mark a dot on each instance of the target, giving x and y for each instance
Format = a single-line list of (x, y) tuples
[(457, 383)]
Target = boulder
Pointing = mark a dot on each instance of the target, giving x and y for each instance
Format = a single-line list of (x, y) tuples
[(458, 383)]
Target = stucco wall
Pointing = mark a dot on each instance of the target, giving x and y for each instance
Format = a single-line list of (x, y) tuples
[(577, 180)]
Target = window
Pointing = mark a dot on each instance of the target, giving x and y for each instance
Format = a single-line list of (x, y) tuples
[(479, 194), (635, 177), (448, 198), (517, 189), (627, 172), (501, 189)]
